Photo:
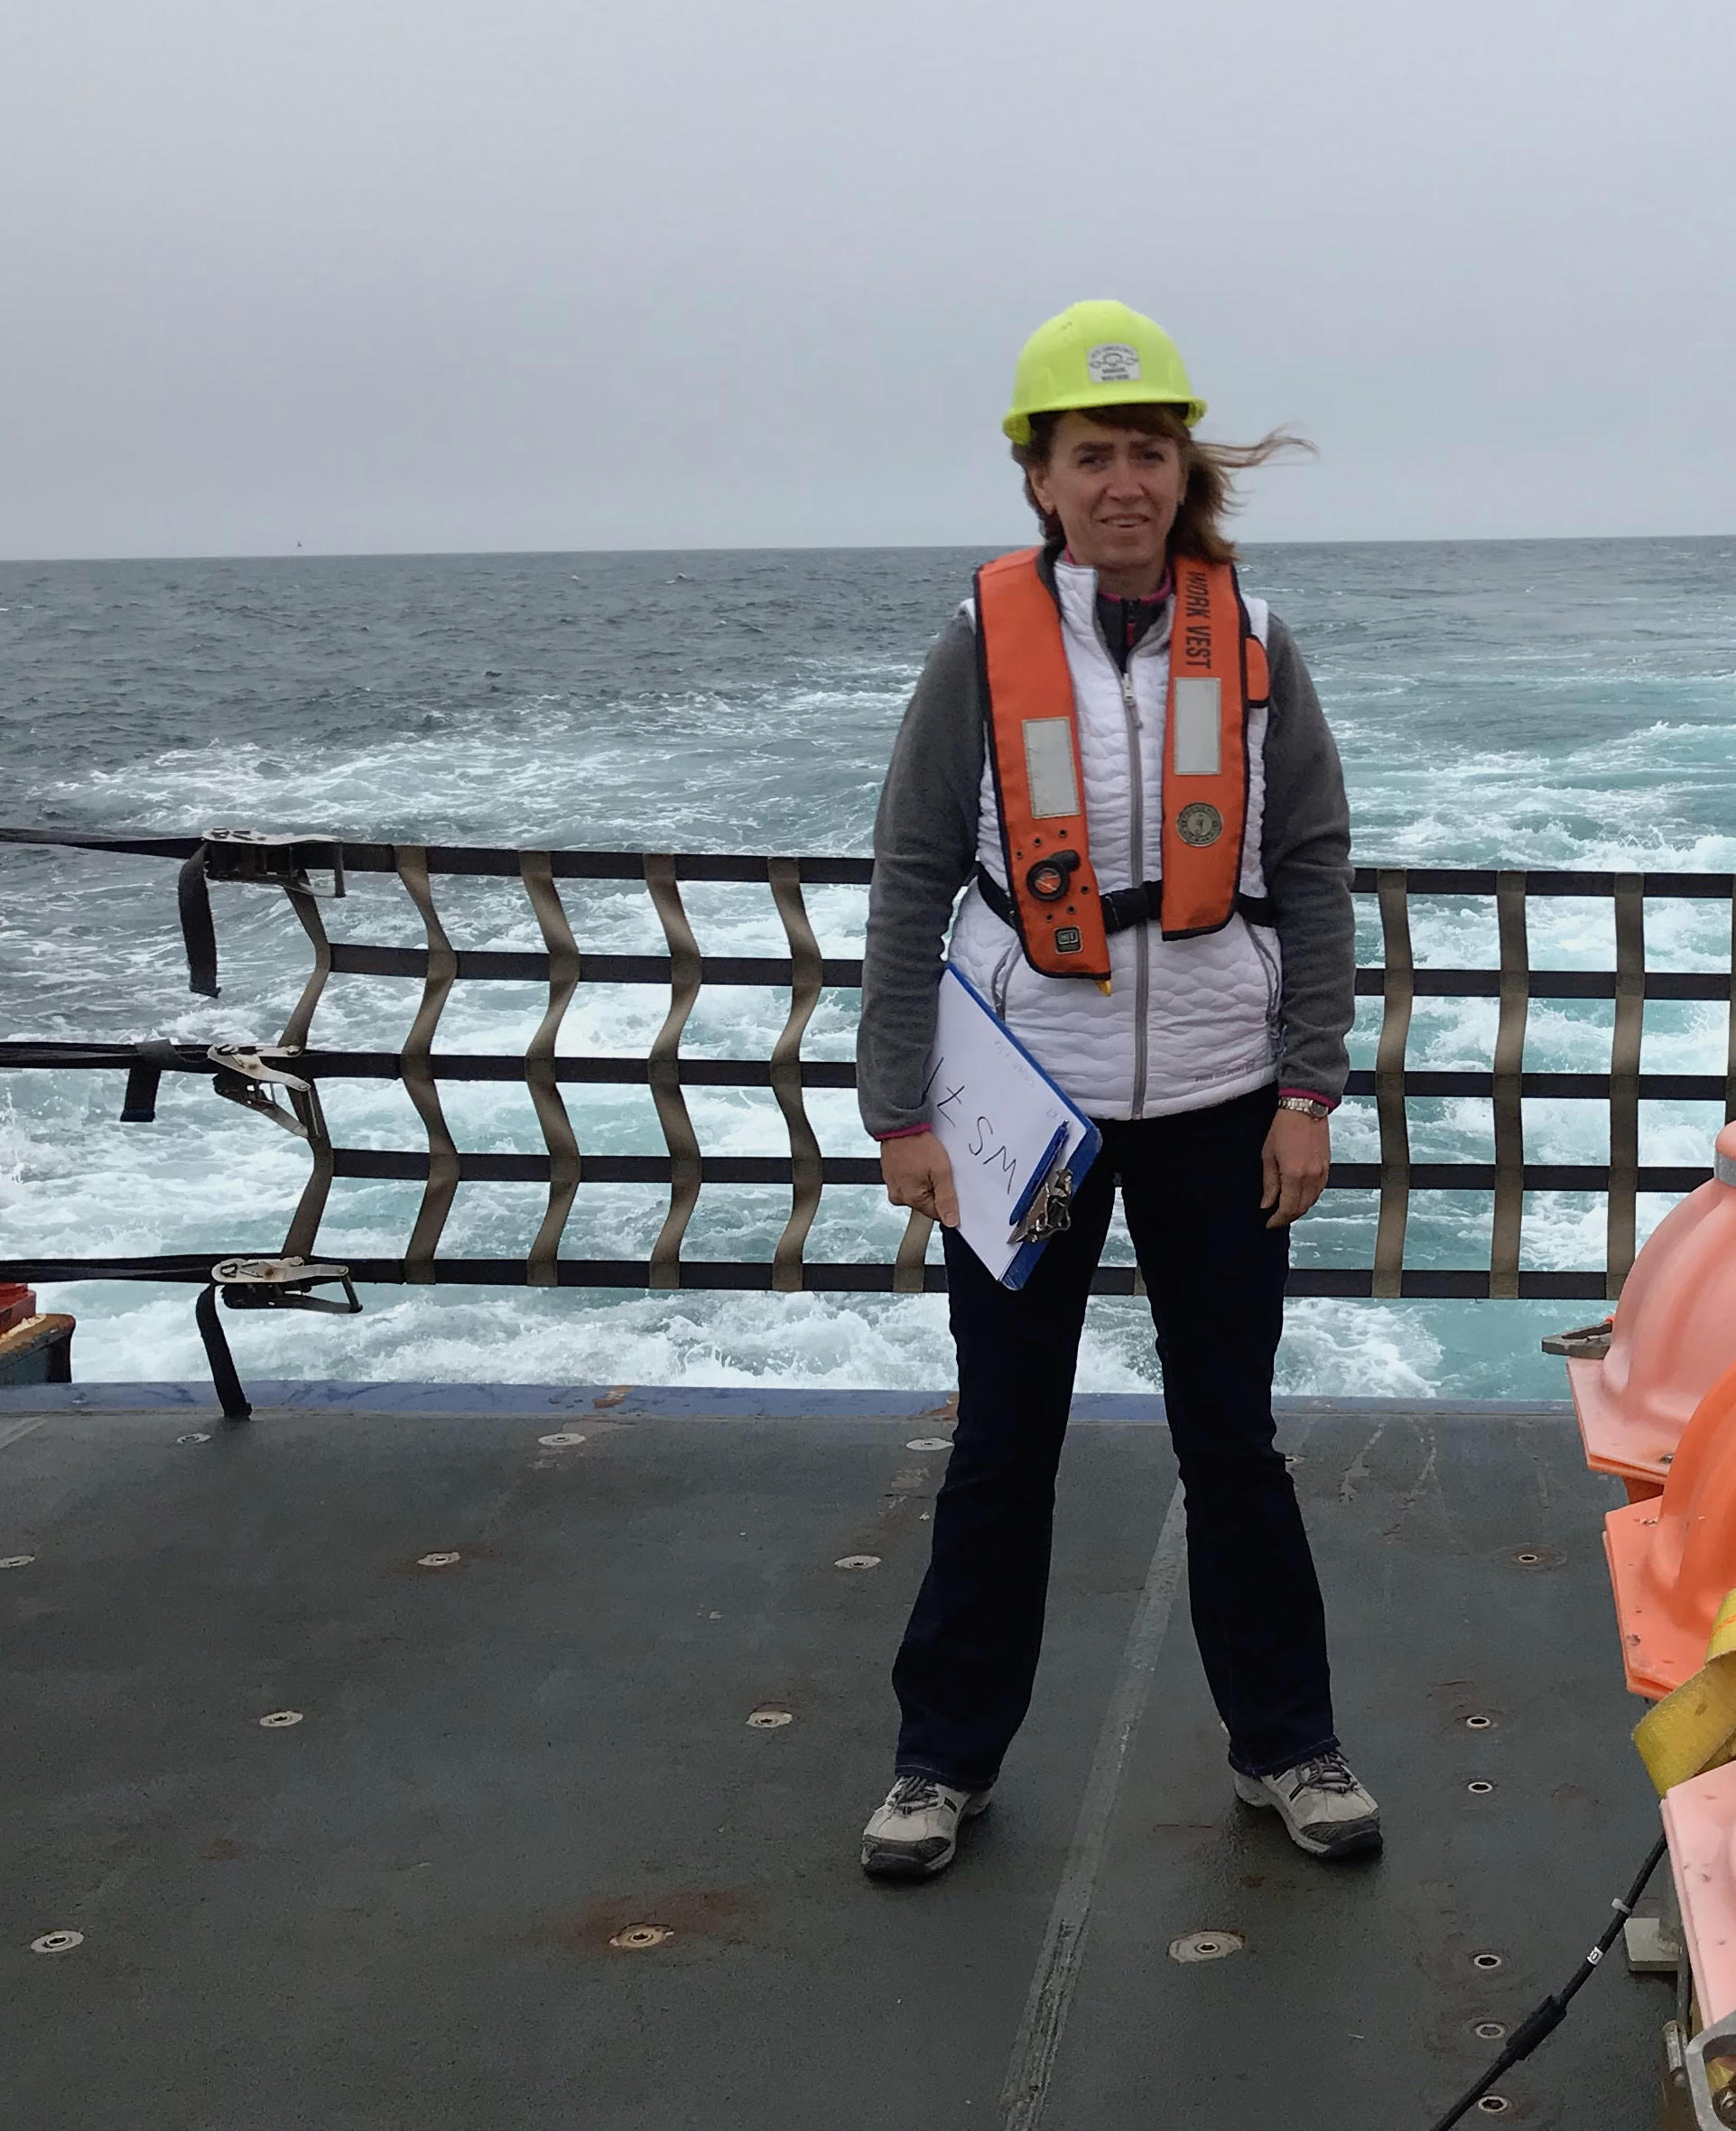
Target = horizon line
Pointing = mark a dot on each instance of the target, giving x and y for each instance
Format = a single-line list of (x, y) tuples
[(412, 555)]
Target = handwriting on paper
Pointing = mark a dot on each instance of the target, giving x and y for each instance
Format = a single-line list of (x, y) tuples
[(983, 1143)]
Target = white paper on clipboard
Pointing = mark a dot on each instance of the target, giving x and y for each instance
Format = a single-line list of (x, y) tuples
[(1005, 1125)]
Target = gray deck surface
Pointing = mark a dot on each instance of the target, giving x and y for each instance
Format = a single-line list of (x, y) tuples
[(399, 1911)]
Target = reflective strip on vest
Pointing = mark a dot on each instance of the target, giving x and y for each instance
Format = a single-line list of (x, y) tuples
[(1217, 667), (1217, 670), (1039, 783)]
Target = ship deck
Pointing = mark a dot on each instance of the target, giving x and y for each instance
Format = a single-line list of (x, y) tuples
[(416, 1905)]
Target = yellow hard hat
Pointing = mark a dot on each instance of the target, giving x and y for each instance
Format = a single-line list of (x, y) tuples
[(1098, 355)]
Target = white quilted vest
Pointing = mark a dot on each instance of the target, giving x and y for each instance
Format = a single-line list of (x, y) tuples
[(1186, 1022)]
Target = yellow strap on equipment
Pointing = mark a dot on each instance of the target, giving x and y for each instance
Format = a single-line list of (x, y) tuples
[(1694, 1728)]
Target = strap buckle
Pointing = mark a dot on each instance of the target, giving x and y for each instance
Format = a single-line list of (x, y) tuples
[(284, 1283), (246, 1074), (245, 855), (254, 854), (1124, 908), (1588, 1343), (262, 1283)]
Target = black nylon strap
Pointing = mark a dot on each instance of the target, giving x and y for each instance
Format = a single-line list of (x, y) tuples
[(736, 1276), (154, 1058), (360, 857), (197, 933), (143, 847), (995, 896), (226, 1380), (139, 1106), (1124, 908)]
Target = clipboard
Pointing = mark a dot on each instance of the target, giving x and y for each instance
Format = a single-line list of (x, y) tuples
[(1018, 1146)]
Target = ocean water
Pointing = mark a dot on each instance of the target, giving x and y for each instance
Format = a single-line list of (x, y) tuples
[(1561, 704)]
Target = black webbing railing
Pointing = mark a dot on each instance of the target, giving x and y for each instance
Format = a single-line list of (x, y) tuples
[(284, 1079)]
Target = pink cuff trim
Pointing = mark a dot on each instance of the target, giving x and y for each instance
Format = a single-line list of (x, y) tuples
[(1311, 1095), (903, 1133)]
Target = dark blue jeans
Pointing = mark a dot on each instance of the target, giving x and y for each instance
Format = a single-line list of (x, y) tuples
[(1191, 1184)]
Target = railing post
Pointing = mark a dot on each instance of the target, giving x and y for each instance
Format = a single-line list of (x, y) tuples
[(1625, 1046), (309, 1209), (912, 1255), (1508, 1100), (536, 870), (665, 1070), (1398, 991), (417, 1073), (805, 1173)]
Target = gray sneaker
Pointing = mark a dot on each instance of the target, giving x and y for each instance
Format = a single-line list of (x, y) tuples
[(1326, 1811), (916, 1833)]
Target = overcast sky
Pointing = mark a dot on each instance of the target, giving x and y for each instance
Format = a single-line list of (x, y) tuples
[(410, 275)]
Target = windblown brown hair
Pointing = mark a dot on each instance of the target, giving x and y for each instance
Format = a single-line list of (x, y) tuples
[(1209, 496)]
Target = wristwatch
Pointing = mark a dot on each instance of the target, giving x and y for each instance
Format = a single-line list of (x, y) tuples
[(1305, 1105)]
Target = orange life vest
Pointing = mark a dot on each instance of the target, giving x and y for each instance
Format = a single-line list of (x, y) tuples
[(1217, 673)]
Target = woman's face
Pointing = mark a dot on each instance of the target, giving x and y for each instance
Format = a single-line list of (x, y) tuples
[(1116, 492)]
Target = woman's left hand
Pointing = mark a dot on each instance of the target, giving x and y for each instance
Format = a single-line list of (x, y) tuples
[(1297, 1154)]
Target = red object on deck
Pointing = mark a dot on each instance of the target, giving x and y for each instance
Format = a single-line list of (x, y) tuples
[(1675, 1336), (1673, 1559), (17, 1302), (1700, 1817)]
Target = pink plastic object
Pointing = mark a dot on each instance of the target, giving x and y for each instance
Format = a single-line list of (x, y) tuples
[(1699, 1819), (1675, 1334), (1673, 1559)]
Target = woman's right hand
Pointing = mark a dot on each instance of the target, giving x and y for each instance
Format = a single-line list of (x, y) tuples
[(919, 1175)]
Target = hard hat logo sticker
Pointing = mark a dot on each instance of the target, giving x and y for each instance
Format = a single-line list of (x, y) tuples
[(1113, 362)]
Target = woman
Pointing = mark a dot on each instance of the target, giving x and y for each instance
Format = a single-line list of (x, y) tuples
[(1124, 765)]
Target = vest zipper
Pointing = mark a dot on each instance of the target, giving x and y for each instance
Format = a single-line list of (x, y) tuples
[(1137, 873)]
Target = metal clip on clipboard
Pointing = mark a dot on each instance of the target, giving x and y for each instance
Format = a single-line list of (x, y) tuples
[(1051, 1211)]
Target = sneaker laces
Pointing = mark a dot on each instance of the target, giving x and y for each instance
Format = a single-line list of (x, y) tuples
[(1325, 1772), (913, 1794)]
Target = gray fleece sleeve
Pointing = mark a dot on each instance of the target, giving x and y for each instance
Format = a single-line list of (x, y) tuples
[(924, 851), (1305, 851)]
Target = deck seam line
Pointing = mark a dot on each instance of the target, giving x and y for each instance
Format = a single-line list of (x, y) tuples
[(20, 1429), (1038, 2040)]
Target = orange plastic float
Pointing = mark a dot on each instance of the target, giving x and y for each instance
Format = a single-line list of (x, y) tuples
[(1673, 1337), (1699, 1819), (1673, 1558)]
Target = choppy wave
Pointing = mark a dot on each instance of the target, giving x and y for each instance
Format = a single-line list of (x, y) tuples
[(1545, 705)]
